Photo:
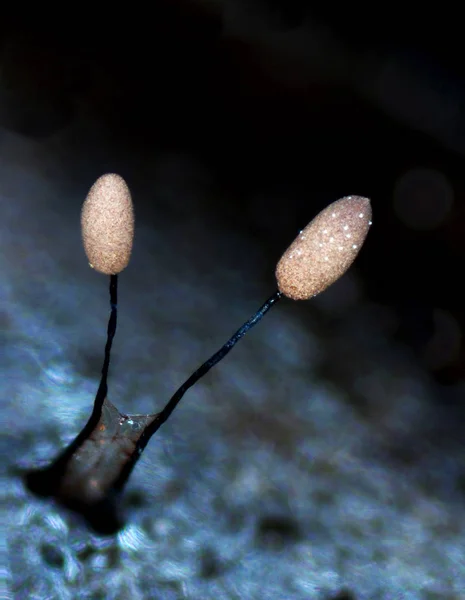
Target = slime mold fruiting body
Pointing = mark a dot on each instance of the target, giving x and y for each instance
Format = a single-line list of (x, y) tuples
[(89, 475)]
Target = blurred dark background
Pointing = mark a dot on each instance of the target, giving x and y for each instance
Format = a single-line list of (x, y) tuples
[(280, 108), (296, 105)]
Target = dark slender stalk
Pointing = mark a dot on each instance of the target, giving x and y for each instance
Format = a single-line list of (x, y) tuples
[(47, 481), (205, 367), (111, 330)]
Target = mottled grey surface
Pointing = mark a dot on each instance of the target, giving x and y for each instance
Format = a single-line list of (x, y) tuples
[(270, 480)]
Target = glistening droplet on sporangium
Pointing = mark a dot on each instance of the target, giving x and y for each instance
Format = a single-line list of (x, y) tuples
[(325, 249)]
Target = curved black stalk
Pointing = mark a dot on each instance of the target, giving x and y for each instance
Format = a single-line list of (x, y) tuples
[(47, 481), (161, 417), (206, 366), (111, 330)]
